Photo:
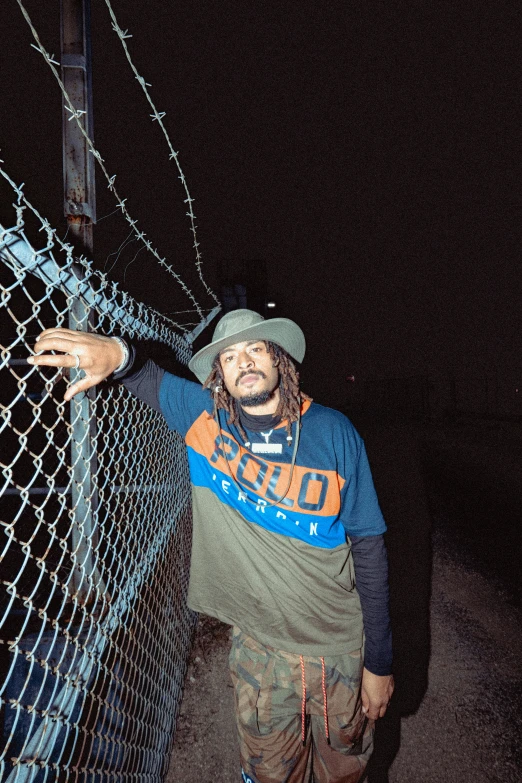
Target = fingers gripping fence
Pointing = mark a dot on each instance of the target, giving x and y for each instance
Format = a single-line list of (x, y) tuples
[(96, 521)]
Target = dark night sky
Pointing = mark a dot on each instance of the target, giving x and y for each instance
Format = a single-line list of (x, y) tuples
[(367, 152)]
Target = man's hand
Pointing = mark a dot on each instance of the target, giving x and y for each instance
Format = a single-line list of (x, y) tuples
[(99, 356), (376, 692)]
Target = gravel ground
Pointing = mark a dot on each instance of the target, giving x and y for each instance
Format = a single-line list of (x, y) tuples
[(457, 712), (468, 726)]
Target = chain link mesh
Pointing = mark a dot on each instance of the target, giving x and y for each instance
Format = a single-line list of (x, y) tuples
[(96, 521)]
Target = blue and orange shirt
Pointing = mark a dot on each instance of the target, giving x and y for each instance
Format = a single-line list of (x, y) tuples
[(280, 569)]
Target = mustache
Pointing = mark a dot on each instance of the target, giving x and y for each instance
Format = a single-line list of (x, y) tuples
[(249, 372)]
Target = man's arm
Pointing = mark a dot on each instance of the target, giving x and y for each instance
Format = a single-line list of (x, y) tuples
[(371, 574), (142, 377)]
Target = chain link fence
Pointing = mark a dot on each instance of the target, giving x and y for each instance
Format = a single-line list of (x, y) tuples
[(96, 529)]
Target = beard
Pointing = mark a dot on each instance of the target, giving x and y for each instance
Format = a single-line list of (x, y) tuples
[(253, 400)]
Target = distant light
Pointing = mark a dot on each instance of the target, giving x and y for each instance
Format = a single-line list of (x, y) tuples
[(516, 391), (271, 304), (351, 378)]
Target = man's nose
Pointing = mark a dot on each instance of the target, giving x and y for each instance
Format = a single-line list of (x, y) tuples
[(245, 360)]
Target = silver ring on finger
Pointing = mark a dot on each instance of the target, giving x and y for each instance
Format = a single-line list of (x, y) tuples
[(77, 361)]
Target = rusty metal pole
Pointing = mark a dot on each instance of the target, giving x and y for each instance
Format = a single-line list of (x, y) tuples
[(80, 210), (78, 162)]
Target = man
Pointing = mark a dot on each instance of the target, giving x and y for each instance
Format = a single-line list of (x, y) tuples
[(286, 524)]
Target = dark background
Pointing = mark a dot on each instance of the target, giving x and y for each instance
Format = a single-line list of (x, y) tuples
[(363, 154), (360, 161)]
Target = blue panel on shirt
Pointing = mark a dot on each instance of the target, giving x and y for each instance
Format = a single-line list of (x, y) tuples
[(322, 531)]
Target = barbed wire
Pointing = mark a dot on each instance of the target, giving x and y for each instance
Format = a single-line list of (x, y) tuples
[(77, 116), (53, 238), (157, 116), (178, 312)]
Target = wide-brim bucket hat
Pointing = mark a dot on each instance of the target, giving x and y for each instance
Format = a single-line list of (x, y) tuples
[(241, 325)]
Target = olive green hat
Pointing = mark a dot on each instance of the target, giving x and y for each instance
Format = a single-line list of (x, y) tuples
[(241, 325)]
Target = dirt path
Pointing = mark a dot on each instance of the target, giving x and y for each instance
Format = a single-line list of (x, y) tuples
[(457, 712), (205, 743), (468, 726)]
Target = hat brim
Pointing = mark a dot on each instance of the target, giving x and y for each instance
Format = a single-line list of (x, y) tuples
[(282, 331)]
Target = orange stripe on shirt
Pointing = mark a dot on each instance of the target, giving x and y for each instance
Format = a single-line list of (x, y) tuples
[(318, 490)]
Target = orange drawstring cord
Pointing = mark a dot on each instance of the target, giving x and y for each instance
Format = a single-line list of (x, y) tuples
[(303, 702), (325, 704)]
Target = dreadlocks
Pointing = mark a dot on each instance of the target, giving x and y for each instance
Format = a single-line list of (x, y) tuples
[(289, 394)]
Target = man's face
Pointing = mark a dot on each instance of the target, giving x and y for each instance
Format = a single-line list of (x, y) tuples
[(249, 373)]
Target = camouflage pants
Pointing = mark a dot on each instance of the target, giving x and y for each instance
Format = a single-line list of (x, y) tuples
[(268, 686)]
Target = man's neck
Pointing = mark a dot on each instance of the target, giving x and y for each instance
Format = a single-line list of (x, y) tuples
[(258, 423)]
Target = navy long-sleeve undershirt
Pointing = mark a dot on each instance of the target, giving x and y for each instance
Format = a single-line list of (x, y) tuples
[(371, 574)]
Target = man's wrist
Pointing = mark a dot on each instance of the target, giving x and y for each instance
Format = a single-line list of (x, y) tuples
[(125, 354), (378, 671)]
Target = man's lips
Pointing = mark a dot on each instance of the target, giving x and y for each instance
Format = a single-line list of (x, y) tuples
[(249, 379)]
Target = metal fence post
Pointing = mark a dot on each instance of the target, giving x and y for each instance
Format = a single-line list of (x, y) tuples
[(79, 207), (84, 496)]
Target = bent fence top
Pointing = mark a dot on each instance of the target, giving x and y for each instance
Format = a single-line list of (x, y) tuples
[(95, 516)]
